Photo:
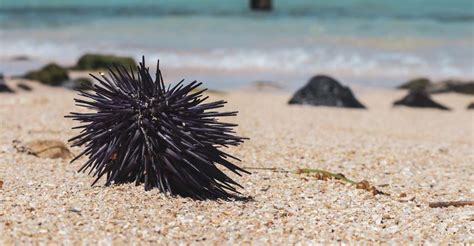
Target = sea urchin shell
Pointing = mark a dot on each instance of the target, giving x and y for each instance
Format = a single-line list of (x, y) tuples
[(140, 131)]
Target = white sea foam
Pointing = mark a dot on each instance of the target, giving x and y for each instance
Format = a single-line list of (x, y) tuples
[(291, 62), (317, 60)]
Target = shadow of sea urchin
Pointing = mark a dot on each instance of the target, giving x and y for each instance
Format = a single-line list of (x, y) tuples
[(140, 131)]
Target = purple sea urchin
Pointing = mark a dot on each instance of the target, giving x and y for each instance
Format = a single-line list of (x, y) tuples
[(165, 137)]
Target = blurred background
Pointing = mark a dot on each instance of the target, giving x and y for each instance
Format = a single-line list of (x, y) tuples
[(228, 45)]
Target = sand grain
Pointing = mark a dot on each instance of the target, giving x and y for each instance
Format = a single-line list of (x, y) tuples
[(425, 154)]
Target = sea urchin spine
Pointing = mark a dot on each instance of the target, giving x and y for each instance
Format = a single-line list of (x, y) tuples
[(138, 130)]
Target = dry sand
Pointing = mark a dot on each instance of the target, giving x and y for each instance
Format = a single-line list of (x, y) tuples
[(426, 154)]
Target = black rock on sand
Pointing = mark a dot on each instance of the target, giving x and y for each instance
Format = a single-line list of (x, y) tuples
[(81, 84), (470, 106), (416, 84), (323, 90), (24, 87), (419, 99), (457, 86), (51, 74), (4, 87)]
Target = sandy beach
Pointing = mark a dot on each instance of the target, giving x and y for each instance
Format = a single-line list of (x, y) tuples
[(418, 156)]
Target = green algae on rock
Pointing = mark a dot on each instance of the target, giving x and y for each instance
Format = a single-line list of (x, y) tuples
[(99, 61), (51, 74)]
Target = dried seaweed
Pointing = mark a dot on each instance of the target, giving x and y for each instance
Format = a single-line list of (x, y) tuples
[(325, 175), (451, 203)]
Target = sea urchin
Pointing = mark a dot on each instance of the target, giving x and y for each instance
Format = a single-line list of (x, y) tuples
[(140, 131)]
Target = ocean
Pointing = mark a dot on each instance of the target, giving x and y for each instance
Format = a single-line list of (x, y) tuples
[(378, 43)]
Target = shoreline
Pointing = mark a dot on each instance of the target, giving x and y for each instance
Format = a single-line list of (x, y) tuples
[(243, 79)]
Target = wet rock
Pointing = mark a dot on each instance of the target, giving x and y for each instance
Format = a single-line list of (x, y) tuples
[(98, 61), (3, 86), (322, 90), (44, 149), (51, 74), (419, 99), (82, 84), (458, 86), (24, 87), (470, 106), (464, 88), (440, 87), (416, 84)]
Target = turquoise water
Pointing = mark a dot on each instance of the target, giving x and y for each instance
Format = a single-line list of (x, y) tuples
[(372, 42)]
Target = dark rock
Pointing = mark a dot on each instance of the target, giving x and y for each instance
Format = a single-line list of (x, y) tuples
[(82, 84), (452, 86), (97, 61), (464, 88), (419, 99), (24, 87), (457, 86), (20, 58), (261, 5), (51, 74), (3, 86), (416, 84), (440, 87), (322, 90), (470, 106)]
